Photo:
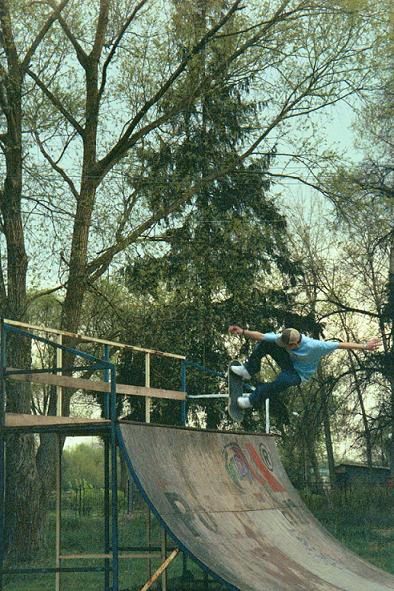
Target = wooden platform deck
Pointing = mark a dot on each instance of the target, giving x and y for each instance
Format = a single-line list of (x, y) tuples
[(38, 423)]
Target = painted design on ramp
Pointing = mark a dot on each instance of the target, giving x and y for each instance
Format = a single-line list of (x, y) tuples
[(247, 465)]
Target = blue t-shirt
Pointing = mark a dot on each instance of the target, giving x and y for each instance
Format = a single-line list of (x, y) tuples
[(306, 357)]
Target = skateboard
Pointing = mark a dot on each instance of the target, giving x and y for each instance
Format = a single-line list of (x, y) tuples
[(235, 389)]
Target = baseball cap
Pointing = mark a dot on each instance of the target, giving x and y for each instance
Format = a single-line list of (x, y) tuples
[(289, 336)]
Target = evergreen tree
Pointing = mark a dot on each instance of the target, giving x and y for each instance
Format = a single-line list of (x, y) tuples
[(221, 259)]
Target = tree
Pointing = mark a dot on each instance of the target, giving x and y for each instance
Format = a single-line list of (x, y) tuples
[(345, 284), (94, 87), (367, 191)]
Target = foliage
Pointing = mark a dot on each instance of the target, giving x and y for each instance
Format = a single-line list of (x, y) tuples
[(82, 464)]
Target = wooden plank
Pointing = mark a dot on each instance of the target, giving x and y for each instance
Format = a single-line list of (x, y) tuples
[(87, 339), (161, 569), (151, 392), (22, 420), (57, 380), (96, 386)]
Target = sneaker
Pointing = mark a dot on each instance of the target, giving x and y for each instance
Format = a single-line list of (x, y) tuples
[(241, 371), (244, 402)]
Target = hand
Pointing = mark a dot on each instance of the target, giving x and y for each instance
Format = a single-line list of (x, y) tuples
[(234, 329), (373, 344)]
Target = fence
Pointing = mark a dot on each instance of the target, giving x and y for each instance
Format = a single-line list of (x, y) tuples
[(84, 500)]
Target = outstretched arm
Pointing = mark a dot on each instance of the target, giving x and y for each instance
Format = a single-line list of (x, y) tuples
[(251, 334), (370, 345)]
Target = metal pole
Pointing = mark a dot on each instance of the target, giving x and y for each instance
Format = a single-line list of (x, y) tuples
[(147, 385), (106, 379), (107, 548), (59, 389), (149, 536), (267, 415), (58, 508), (107, 415), (114, 486), (147, 420), (183, 389), (59, 413), (3, 364)]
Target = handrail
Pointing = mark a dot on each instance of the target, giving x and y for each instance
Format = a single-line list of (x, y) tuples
[(86, 338), (207, 370)]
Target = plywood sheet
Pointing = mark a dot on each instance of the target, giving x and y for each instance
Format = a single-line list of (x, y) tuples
[(227, 501)]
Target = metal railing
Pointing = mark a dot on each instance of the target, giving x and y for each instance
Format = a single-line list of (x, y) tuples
[(219, 374)]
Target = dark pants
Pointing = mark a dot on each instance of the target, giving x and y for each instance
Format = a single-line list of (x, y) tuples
[(285, 379)]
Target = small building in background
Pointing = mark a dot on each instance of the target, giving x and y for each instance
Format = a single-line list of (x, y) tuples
[(348, 474)]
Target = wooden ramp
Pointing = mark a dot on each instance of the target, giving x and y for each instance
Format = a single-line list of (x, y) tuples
[(226, 500)]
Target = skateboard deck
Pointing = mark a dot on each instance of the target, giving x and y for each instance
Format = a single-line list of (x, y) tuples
[(235, 389)]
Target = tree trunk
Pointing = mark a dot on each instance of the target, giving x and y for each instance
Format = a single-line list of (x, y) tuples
[(367, 430), (315, 483), (391, 353), (24, 522), (328, 442), (392, 429), (77, 281)]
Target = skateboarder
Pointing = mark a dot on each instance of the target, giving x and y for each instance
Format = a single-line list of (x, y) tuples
[(297, 355)]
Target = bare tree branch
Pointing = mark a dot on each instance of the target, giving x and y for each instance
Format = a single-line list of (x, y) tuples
[(116, 44), (44, 292), (344, 308), (55, 166), (124, 143), (81, 55), (56, 102), (45, 28)]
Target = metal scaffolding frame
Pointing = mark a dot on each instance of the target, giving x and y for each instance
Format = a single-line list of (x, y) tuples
[(107, 428), (61, 426)]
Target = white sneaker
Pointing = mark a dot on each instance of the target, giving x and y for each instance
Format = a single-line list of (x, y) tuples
[(244, 402), (240, 370)]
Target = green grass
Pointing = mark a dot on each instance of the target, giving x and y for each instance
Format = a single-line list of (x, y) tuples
[(363, 521), (86, 535)]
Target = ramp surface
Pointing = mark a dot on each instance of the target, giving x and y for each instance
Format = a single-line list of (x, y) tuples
[(226, 500)]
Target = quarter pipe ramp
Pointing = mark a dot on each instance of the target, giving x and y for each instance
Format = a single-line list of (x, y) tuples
[(226, 500)]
